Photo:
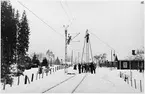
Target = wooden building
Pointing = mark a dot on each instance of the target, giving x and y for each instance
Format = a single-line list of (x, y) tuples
[(130, 64)]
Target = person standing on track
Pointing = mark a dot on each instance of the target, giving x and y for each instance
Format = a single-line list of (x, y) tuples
[(79, 68), (83, 68), (91, 67), (94, 68), (75, 67)]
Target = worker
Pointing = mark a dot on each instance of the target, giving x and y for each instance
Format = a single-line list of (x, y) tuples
[(87, 36)]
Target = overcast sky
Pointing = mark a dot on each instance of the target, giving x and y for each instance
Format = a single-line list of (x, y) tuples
[(118, 23)]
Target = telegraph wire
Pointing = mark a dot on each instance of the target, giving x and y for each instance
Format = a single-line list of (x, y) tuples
[(102, 41), (65, 11), (68, 8), (39, 18)]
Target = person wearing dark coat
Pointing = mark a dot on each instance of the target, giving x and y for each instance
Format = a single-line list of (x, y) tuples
[(75, 67), (88, 67), (79, 68), (83, 68), (94, 68), (91, 67)]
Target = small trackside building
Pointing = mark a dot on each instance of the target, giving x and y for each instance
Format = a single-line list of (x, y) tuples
[(130, 64)]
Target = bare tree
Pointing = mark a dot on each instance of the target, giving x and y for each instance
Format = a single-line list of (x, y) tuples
[(40, 56), (50, 55), (139, 55), (100, 58)]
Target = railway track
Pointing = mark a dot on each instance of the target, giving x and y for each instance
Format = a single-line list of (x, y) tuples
[(79, 84), (62, 82)]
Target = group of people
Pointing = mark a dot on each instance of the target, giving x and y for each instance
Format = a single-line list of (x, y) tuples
[(86, 67)]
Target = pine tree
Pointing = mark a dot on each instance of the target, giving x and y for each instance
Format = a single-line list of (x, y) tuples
[(14, 39), (57, 61), (35, 61), (18, 28), (44, 62), (23, 40), (28, 62), (8, 40)]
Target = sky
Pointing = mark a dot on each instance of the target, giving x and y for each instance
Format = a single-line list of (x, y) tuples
[(120, 24)]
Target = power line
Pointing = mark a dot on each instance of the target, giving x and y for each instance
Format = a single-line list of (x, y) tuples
[(68, 8), (103, 41), (39, 18), (69, 12), (65, 11), (75, 36)]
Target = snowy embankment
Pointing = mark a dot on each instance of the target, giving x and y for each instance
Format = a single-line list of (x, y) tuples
[(27, 73), (137, 80), (105, 81), (39, 85)]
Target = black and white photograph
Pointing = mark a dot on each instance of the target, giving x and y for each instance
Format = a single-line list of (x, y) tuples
[(72, 46)]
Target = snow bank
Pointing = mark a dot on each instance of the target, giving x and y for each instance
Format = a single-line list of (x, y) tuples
[(136, 75), (22, 78)]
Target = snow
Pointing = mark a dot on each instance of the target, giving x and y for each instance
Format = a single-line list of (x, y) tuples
[(22, 78), (68, 62), (136, 75), (68, 86), (40, 85), (104, 81)]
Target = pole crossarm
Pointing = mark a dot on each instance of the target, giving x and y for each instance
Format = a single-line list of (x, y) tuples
[(75, 36), (76, 41), (68, 40)]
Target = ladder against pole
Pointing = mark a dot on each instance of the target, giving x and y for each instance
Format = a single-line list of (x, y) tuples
[(87, 50)]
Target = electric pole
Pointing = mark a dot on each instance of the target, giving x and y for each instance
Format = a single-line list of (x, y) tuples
[(68, 38), (111, 55), (65, 70), (72, 58), (78, 56)]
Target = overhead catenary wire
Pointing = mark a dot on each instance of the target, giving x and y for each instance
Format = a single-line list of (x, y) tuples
[(103, 41), (65, 11), (39, 18), (68, 8)]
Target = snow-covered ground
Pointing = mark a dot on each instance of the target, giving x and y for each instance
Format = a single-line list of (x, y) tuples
[(29, 75), (104, 81), (136, 76)]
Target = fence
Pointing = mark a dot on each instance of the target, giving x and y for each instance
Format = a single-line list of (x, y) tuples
[(38, 75), (137, 84)]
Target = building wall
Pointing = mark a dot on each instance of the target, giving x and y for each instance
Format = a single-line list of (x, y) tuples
[(132, 64)]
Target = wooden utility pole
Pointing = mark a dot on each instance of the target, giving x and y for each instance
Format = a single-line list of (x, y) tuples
[(72, 58), (65, 47), (67, 41), (111, 55), (114, 55), (78, 56)]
